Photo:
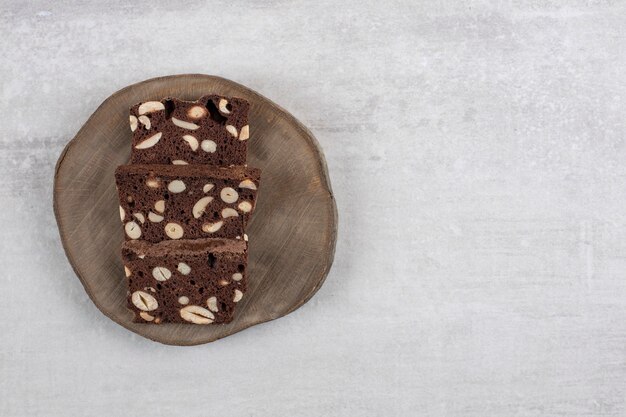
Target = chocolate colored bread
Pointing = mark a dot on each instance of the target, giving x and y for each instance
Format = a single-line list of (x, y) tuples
[(211, 131), (185, 281), (163, 202)]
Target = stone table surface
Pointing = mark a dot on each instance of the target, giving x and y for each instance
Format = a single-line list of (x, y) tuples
[(477, 151)]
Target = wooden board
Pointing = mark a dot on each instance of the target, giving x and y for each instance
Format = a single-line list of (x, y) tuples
[(292, 233)]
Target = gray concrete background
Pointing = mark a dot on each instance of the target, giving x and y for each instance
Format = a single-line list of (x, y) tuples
[(477, 151)]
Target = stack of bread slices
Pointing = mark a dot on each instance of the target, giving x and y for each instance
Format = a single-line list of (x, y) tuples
[(185, 200)]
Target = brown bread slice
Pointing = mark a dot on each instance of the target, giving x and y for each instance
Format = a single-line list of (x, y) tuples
[(185, 281), (163, 202), (212, 131)]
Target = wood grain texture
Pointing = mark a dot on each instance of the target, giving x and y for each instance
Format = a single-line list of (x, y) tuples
[(292, 233)]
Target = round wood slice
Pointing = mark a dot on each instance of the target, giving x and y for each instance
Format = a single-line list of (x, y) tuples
[(292, 233)]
